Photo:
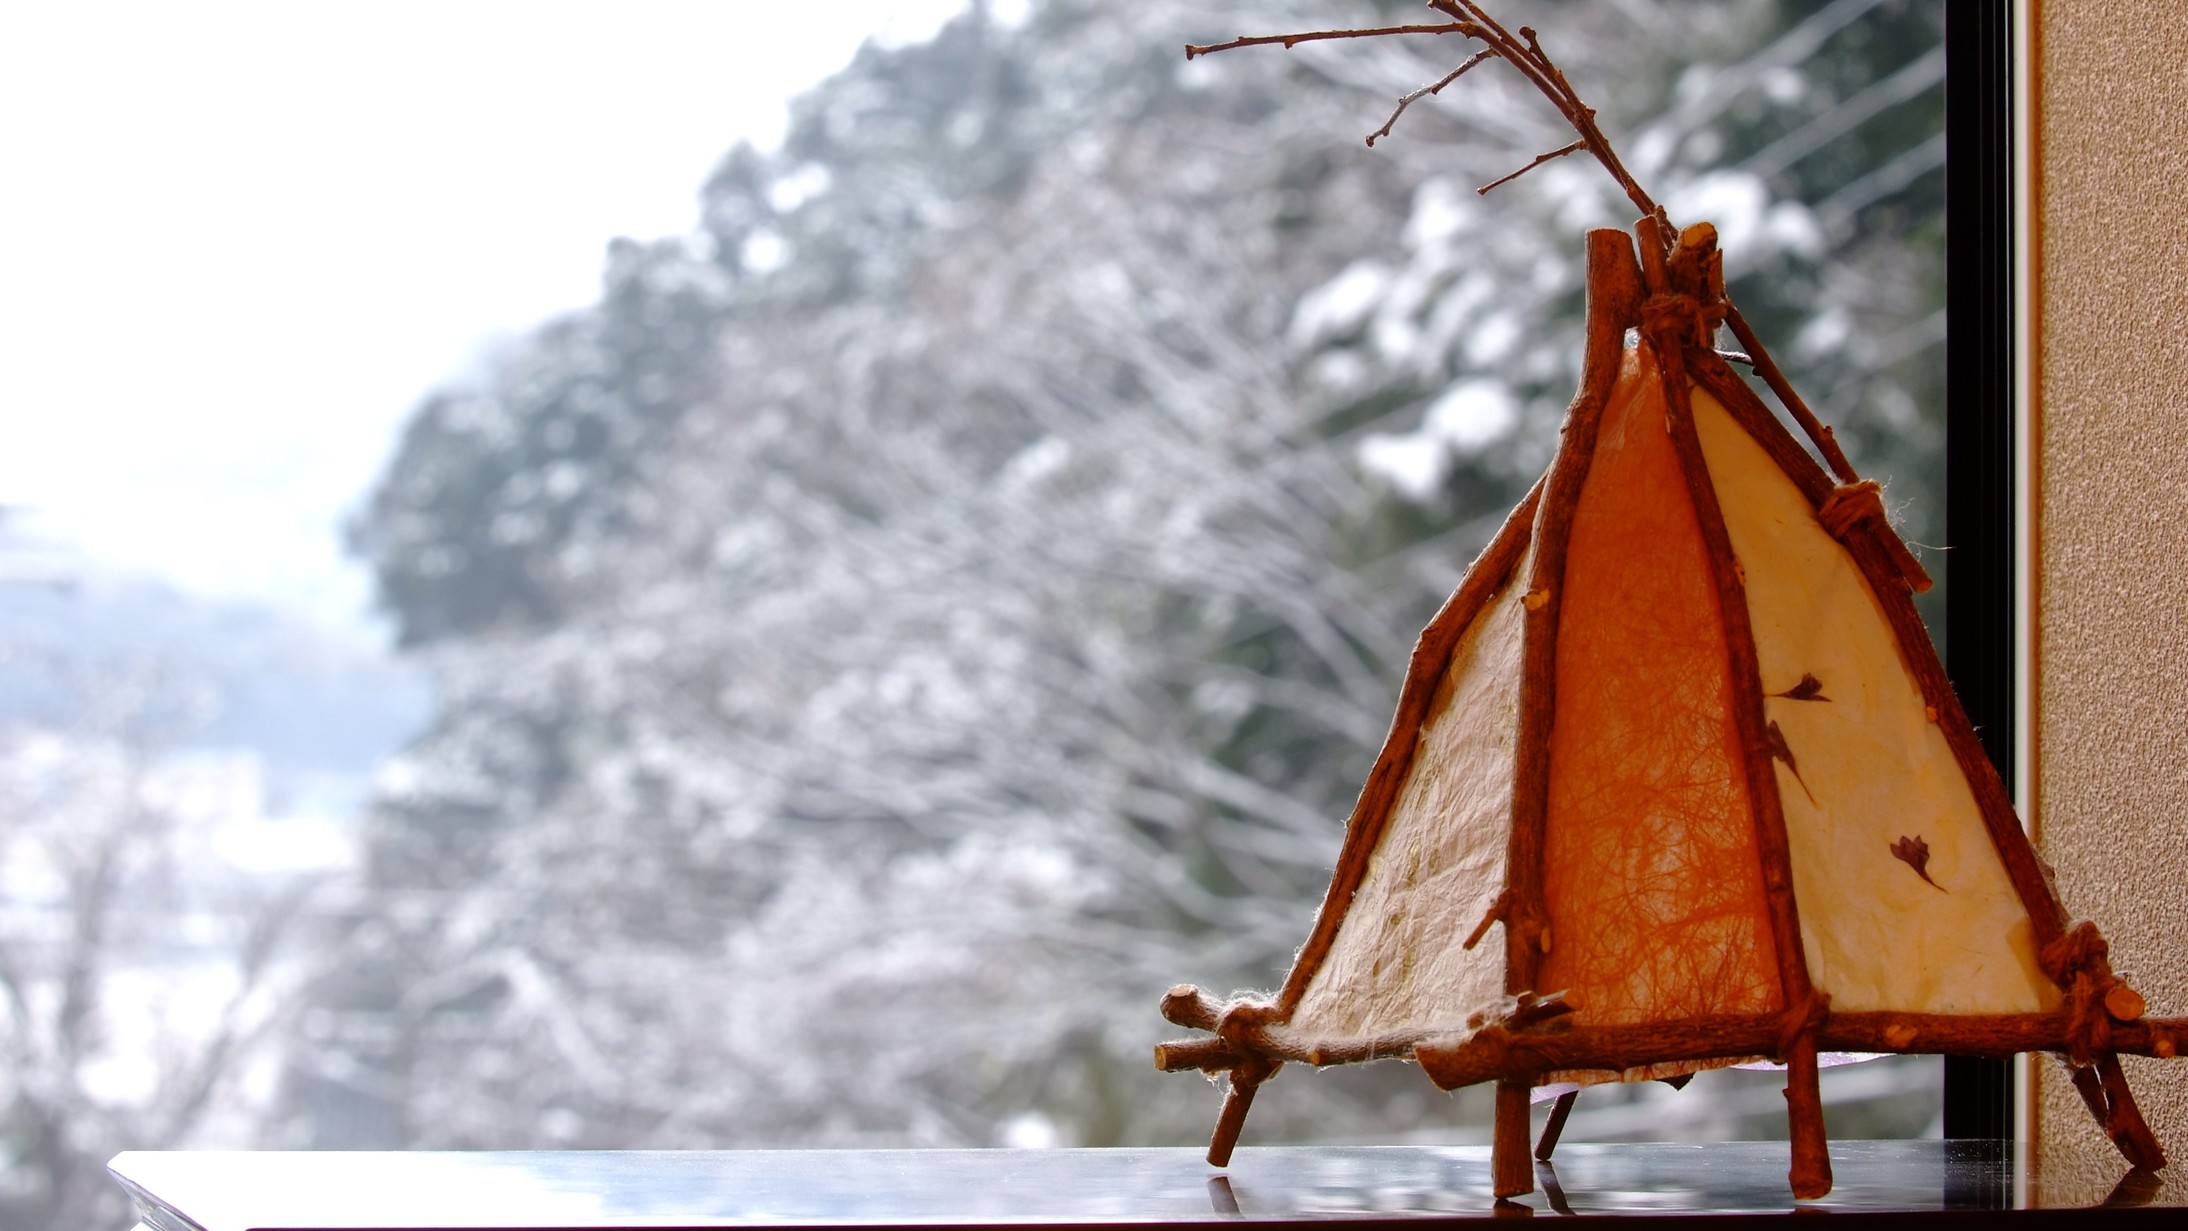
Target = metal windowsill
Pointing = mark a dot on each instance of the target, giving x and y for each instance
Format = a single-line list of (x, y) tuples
[(1878, 1183)]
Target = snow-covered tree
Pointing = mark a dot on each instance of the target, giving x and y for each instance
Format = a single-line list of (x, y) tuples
[(142, 979), (956, 591)]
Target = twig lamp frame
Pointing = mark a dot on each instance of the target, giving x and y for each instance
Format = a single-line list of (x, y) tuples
[(1671, 296)]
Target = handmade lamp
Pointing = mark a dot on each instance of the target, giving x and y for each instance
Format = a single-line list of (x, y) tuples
[(1676, 780)]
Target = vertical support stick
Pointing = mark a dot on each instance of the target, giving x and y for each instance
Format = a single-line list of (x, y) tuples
[(1510, 1169), (1803, 1009), (1614, 300), (1811, 1173)]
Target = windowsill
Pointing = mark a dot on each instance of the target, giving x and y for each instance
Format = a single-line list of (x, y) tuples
[(1876, 1182)]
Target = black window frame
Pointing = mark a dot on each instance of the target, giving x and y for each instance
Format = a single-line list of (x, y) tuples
[(1980, 619)]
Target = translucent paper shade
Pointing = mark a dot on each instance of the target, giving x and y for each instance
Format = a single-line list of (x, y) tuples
[(1398, 965), (1652, 878), (1874, 768)]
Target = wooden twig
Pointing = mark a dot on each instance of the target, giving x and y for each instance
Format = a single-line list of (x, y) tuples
[(1204, 1055), (2123, 1121), (1498, 1055), (2087, 1084), (1614, 301), (1759, 358), (1245, 1079), (1536, 1039), (1494, 915), (1554, 1127), (1240, 1042), (1560, 152), (1426, 90), (1671, 336), (1526, 55), (1862, 503), (1748, 410), (1511, 1171), (1289, 41), (1188, 1006), (1217, 1056), (1810, 1174)]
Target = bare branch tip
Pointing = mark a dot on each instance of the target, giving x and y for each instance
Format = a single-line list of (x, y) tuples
[(1561, 152), (1436, 88), (1289, 41)]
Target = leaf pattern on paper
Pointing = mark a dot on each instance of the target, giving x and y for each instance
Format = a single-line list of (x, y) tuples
[(1774, 739), (1809, 689), (1915, 853)]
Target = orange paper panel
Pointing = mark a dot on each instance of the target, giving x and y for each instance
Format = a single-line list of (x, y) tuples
[(1653, 883)]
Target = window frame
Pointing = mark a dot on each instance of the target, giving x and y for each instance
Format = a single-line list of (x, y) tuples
[(1982, 624)]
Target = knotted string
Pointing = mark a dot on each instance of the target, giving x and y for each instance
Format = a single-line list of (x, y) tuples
[(2080, 962)]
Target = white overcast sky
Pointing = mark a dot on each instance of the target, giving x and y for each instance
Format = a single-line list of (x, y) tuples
[(239, 241)]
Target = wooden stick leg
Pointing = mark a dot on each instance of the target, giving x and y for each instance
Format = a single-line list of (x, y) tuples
[(1811, 1174), (2087, 1084), (1510, 1170), (1551, 1131), (1236, 1103), (2123, 1121)]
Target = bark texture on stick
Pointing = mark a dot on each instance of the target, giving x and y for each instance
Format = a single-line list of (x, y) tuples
[(1681, 317), (1614, 294), (1511, 1170), (1614, 297), (1494, 1054)]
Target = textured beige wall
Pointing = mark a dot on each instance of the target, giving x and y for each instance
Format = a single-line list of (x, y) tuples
[(2112, 537)]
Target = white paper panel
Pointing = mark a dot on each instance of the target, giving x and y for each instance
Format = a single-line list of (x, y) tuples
[(1872, 770), (1396, 966)]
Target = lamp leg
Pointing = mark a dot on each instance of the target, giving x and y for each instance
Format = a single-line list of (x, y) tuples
[(2087, 1084), (1551, 1131), (1811, 1174), (1510, 1168), (1237, 1101), (2123, 1121)]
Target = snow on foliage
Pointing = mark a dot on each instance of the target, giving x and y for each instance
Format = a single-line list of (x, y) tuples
[(882, 645)]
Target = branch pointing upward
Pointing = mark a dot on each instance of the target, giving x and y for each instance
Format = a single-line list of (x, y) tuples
[(1523, 52), (1560, 152), (1289, 41), (1427, 90)]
